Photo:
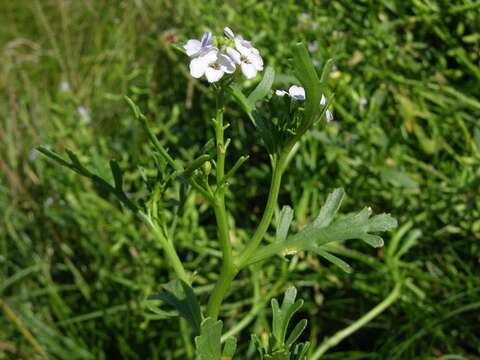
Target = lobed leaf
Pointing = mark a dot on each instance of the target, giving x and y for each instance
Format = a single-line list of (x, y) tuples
[(208, 344), (326, 229)]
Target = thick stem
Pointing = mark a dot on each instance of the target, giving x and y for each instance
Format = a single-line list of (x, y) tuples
[(349, 330), (262, 228)]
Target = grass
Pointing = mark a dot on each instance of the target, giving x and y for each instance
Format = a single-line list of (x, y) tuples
[(76, 268)]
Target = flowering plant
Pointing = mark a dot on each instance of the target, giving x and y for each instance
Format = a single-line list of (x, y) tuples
[(281, 119)]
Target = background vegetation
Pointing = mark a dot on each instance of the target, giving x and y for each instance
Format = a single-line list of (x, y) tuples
[(76, 268)]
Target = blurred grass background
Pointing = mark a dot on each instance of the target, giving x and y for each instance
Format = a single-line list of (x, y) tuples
[(75, 267)]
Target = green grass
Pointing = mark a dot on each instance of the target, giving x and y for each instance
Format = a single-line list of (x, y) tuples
[(76, 268)]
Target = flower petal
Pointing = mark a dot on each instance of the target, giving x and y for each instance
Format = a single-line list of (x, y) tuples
[(256, 60), (198, 67), (242, 46), (210, 56), (234, 55), (297, 92), (281, 93), (213, 75), (192, 47), (226, 63), (248, 70), (328, 115), (323, 100), (228, 32), (207, 40)]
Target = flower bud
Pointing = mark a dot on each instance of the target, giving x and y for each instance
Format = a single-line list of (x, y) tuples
[(207, 167)]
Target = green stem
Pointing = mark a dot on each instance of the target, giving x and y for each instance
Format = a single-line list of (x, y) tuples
[(227, 272), (349, 330), (262, 228), (168, 248)]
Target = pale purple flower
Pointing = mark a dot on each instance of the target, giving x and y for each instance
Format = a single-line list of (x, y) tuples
[(247, 57), (244, 54), (195, 47), (313, 46), (212, 64)]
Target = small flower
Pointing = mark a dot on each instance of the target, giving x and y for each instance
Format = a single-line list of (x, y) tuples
[(64, 86), (328, 116), (33, 154), (212, 64), (244, 55), (84, 113), (297, 93), (313, 46), (363, 102), (195, 47)]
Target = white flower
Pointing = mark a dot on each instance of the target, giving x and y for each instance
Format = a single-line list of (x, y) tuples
[(212, 64), (195, 47), (84, 114), (297, 93), (64, 86), (244, 55)]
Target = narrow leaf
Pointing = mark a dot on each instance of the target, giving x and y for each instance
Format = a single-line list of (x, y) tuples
[(117, 175), (335, 260), (330, 208), (296, 332), (263, 88), (284, 220)]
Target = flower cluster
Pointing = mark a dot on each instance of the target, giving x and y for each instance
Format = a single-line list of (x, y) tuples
[(297, 93), (210, 61)]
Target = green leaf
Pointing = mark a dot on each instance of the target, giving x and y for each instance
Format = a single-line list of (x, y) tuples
[(327, 229), (296, 332), (282, 316), (117, 175), (307, 75), (278, 348), (301, 351), (180, 295), (265, 129), (263, 88), (330, 208), (284, 220), (101, 183), (208, 344), (334, 260), (229, 348)]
